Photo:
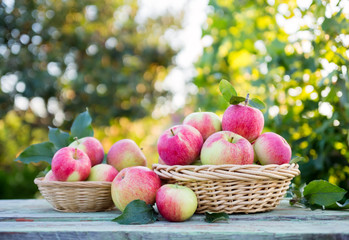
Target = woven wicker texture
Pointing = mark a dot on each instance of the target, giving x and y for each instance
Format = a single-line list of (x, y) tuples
[(232, 188), (76, 196)]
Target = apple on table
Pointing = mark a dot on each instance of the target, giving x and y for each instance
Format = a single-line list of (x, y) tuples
[(180, 145), (176, 203), (226, 147), (134, 183), (71, 164)]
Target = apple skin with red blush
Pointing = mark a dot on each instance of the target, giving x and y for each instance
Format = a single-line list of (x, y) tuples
[(92, 147), (71, 164), (176, 203), (180, 145), (271, 148), (102, 172), (134, 183), (206, 123), (50, 176), (226, 147), (246, 121)]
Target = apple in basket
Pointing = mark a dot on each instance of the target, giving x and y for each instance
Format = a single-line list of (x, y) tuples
[(271, 148), (134, 183), (71, 164), (176, 203), (226, 147), (92, 147), (206, 123), (50, 176), (102, 172), (244, 120), (180, 145), (125, 153)]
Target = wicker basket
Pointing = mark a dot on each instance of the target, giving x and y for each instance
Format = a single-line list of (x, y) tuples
[(76, 196), (232, 188)]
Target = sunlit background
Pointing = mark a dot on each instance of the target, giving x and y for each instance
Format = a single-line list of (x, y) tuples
[(142, 66)]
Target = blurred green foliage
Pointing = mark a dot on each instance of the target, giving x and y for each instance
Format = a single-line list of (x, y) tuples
[(74, 54), (295, 59)]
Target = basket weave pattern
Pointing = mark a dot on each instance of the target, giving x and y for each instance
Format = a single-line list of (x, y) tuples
[(76, 196), (232, 188)]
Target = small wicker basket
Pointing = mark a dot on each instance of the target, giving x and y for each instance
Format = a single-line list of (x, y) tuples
[(82, 196), (232, 188)]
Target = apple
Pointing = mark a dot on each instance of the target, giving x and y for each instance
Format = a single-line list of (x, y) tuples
[(226, 147), (271, 148), (180, 145), (243, 120), (125, 153), (134, 183), (92, 147), (102, 172), (71, 164), (176, 203), (50, 176), (206, 123)]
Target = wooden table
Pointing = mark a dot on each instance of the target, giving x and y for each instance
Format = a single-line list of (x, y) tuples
[(35, 219)]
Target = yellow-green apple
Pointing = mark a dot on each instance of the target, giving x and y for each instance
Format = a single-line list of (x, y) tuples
[(226, 147), (102, 172), (176, 203), (50, 176), (271, 148), (71, 164), (134, 183), (244, 120), (125, 153), (180, 145), (92, 147), (206, 123)]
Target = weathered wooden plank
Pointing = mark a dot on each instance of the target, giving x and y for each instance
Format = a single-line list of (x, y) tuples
[(32, 219)]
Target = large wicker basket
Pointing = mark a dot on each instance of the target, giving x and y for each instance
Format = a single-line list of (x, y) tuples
[(232, 188), (83, 196)]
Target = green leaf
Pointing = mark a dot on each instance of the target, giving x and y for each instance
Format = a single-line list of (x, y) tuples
[(137, 212), (81, 126), (214, 217), (323, 193), (339, 206), (59, 138), (236, 100), (37, 153), (297, 159), (227, 90), (256, 103)]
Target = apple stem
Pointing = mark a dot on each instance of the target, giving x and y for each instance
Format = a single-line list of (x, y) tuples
[(172, 132), (77, 140), (231, 140), (246, 100), (76, 154)]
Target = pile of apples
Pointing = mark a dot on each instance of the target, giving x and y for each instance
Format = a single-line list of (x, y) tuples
[(202, 138), (82, 160)]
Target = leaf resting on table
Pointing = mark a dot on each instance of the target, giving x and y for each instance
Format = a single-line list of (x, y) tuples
[(215, 217)]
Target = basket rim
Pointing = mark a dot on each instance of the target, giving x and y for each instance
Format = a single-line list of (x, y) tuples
[(87, 184), (227, 172)]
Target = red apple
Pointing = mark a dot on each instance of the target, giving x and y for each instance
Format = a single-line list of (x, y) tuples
[(180, 145), (271, 148), (102, 172), (243, 120), (206, 123), (176, 203), (71, 164), (92, 147), (125, 153), (50, 176), (226, 148), (134, 183)]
